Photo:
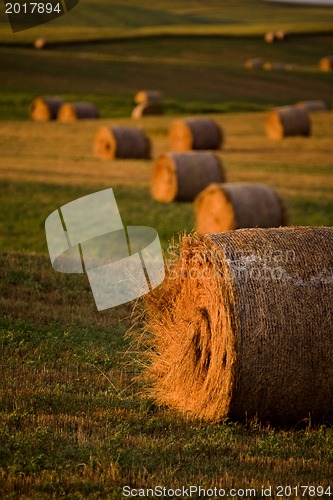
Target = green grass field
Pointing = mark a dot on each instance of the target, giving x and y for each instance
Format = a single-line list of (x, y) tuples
[(74, 419)]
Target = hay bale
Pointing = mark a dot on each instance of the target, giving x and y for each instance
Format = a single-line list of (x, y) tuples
[(146, 109), (312, 106), (326, 63), (222, 207), (281, 35), (287, 121), (270, 37), (195, 133), (121, 142), (242, 327), (70, 112), (144, 96), (254, 63), (43, 109), (40, 43), (181, 176)]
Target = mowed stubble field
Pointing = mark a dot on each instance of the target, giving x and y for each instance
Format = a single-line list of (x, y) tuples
[(74, 420)]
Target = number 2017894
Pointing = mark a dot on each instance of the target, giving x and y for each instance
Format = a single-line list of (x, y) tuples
[(33, 8)]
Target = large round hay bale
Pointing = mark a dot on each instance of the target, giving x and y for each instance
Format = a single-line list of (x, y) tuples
[(281, 35), (242, 327), (182, 176), (121, 142), (195, 133), (222, 207), (287, 121), (147, 109), (312, 106), (43, 109), (326, 63), (144, 96), (70, 112), (270, 37)]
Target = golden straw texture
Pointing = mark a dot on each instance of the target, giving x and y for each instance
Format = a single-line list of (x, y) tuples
[(242, 327)]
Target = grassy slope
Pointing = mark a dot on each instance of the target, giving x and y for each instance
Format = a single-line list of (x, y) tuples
[(111, 18), (204, 75), (72, 420)]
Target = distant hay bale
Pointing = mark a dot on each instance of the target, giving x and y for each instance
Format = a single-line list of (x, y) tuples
[(121, 142), (242, 327), (144, 96), (70, 112), (195, 133), (281, 35), (222, 207), (40, 43), (287, 121), (254, 63), (312, 106), (43, 109), (326, 63), (270, 37), (181, 176), (146, 109)]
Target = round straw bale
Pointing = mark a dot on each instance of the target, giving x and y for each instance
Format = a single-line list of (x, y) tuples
[(270, 37), (40, 43), (43, 109), (287, 121), (121, 142), (195, 133), (181, 176), (242, 327), (144, 96), (326, 63), (146, 109), (70, 112), (312, 106), (281, 35), (221, 207), (253, 63)]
